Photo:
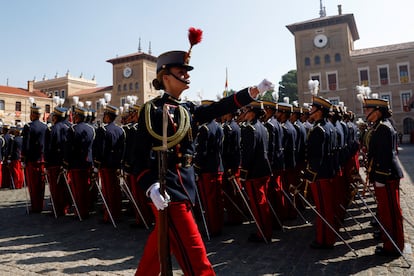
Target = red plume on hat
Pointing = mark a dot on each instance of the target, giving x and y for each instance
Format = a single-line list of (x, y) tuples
[(194, 36)]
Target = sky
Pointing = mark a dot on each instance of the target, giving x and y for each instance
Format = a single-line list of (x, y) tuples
[(247, 38)]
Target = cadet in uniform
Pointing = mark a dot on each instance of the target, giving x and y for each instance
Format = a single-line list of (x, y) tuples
[(385, 173), (283, 113), (108, 151), (131, 169), (255, 169), (33, 157), (5, 151), (78, 159), (55, 142), (15, 152), (231, 164), (184, 238), (319, 172), (208, 167)]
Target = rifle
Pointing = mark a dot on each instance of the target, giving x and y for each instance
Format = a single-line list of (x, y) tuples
[(163, 240)]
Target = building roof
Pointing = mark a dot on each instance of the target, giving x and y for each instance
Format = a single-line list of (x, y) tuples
[(92, 90), (383, 49), (326, 21), (132, 57), (21, 92)]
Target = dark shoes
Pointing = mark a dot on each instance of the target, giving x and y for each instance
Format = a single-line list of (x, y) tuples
[(316, 245), (255, 238), (380, 251)]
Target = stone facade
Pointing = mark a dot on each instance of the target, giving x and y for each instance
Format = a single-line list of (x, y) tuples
[(325, 51)]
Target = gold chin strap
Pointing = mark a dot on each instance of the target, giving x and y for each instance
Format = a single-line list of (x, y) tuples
[(183, 127)]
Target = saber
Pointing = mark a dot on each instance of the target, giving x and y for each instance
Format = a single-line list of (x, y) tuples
[(50, 191), (127, 191), (294, 206), (235, 205), (233, 180), (383, 228), (11, 177), (63, 172), (163, 227), (25, 190), (202, 211), (98, 184), (327, 223)]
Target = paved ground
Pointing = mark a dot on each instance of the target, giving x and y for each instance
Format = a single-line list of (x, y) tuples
[(38, 244)]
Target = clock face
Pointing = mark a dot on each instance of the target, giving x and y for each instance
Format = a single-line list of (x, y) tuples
[(320, 40), (127, 72)]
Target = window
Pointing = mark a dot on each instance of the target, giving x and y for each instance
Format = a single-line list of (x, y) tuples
[(403, 73), (98, 105), (63, 94), (383, 75), (363, 76), (123, 101), (334, 100), (136, 86), (131, 86), (387, 97), (18, 106), (307, 61), (125, 87), (47, 108), (327, 59), (56, 93), (119, 88), (337, 57), (405, 100), (2, 105), (317, 60), (408, 125), (332, 82)]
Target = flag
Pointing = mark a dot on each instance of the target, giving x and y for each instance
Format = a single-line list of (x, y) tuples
[(225, 85)]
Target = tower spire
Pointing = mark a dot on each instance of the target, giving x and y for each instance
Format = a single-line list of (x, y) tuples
[(322, 10), (139, 45), (149, 49)]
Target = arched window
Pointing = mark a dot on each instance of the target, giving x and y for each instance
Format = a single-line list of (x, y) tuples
[(327, 59), (125, 87), (131, 86), (119, 87), (317, 60), (136, 86), (307, 61), (337, 57)]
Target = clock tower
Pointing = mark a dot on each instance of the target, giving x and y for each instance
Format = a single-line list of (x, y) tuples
[(132, 76), (323, 52)]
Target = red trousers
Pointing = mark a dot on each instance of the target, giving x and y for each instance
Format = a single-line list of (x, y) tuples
[(112, 193), (257, 191), (390, 214), (16, 173), (141, 200), (322, 191), (36, 185), (185, 243), (58, 191), (79, 182), (209, 186)]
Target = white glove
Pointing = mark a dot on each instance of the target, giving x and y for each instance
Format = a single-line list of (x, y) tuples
[(95, 170), (159, 201), (8, 161), (264, 86)]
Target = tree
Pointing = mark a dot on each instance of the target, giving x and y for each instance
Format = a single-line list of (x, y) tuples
[(288, 86)]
